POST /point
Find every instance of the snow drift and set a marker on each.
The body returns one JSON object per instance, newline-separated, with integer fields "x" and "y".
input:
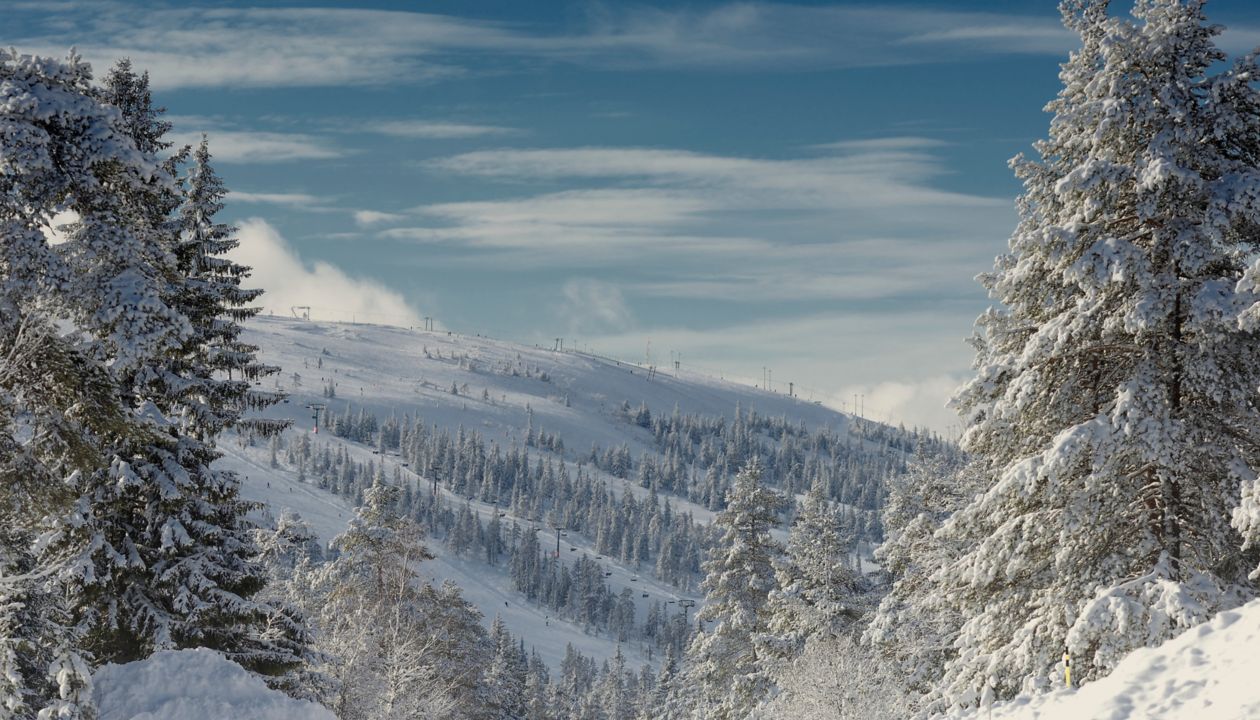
{"x": 193, "y": 685}
{"x": 1208, "y": 672}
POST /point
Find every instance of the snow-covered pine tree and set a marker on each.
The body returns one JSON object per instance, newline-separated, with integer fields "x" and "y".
{"x": 60, "y": 406}
{"x": 1115, "y": 388}
{"x": 159, "y": 540}
{"x": 369, "y": 612}
{"x": 397, "y": 647}
{"x": 724, "y": 679}
{"x": 837, "y": 678}
{"x": 912, "y": 624}
{"x": 128, "y": 91}
{"x": 818, "y": 592}
{"x": 282, "y": 549}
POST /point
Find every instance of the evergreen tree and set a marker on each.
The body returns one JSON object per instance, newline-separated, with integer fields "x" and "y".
{"x": 913, "y": 624}
{"x": 818, "y": 590}
{"x": 723, "y": 665}
{"x": 167, "y": 534}
{"x": 215, "y": 304}
{"x": 506, "y": 675}
{"x": 60, "y": 405}
{"x": 1115, "y": 386}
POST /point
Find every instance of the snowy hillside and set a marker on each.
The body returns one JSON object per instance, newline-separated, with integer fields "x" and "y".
{"x": 388, "y": 369}
{"x": 1207, "y": 672}
{"x": 501, "y": 391}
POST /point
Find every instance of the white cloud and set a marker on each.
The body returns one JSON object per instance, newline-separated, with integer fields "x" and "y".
{"x": 863, "y": 221}
{"x": 368, "y": 218}
{"x": 294, "y": 200}
{"x": 435, "y": 130}
{"x": 865, "y": 177}
{"x": 291, "y": 281}
{"x": 882, "y": 144}
{"x": 914, "y": 402}
{"x": 245, "y": 146}
{"x": 594, "y": 306}
{"x": 1239, "y": 39}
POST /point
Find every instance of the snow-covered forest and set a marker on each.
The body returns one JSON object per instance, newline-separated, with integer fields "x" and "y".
{"x": 313, "y": 519}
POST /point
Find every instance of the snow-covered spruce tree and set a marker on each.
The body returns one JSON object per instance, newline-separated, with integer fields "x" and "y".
{"x": 1116, "y": 393}
{"x": 724, "y": 677}
{"x": 151, "y": 541}
{"x": 506, "y": 675}
{"x": 194, "y": 382}
{"x": 217, "y": 366}
{"x": 166, "y": 534}
{"x": 818, "y": 591}
{"x": 914, "y": 625}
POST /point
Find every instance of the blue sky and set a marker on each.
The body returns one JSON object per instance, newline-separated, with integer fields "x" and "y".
{"x": 807, "y": 187}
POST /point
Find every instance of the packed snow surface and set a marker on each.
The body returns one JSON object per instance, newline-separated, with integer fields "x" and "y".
{"x": 1211, "y": 672}
{"x": 196, "y": 684}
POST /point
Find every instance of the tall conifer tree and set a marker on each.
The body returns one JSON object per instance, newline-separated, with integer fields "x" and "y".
{"x": 1115, "y": 397}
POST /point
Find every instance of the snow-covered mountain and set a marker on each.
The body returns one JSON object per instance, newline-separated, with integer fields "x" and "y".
{"x": 503, "y": 392}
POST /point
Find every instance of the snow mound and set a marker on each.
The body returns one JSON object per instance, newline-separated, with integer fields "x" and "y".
{"x": 1207, "y": 672}
{"x": 196, "y": 684}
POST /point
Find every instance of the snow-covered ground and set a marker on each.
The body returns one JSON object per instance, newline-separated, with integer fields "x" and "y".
{"x": 196, "y": 684}
{"x": 388, "y": 370}
{"x": 1211, "y": 672}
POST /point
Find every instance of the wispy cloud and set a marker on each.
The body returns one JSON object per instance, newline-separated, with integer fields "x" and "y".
{"x": 370, "y": 218}
{"x": 433, "y": 130}
{"x": 302, "y": 201}
{"x": 862, "y": 221}
{"x": 231, "y": 142}
{"x": 594, "y": 306}
{"x": 887, "y": 175}
{"x": 211, "y": 46}
{"x": 249, "y": 146}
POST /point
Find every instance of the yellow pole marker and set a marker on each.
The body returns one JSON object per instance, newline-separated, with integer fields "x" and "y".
{"x": 1067, "y": 668}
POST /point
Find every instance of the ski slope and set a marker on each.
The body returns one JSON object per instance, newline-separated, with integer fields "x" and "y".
{"x": 488, "y": 588}
{"x": 499, "y": 386}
